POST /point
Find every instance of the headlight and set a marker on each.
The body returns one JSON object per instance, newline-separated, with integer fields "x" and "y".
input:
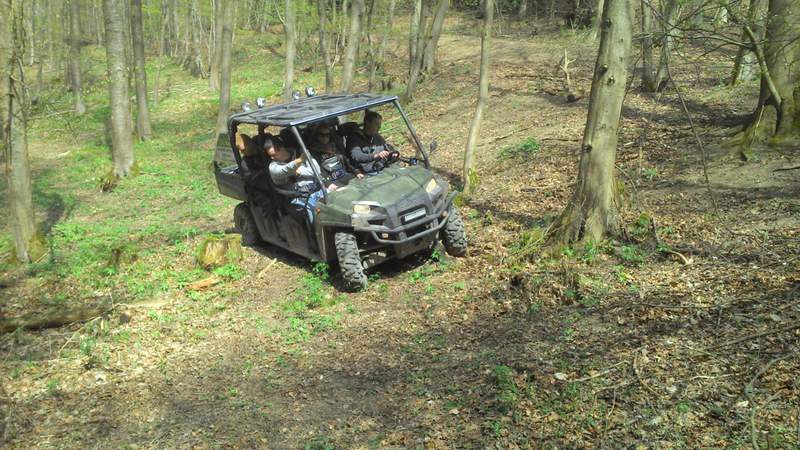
{"x": 360, "y": 208}
{"x": 430, "y": 188}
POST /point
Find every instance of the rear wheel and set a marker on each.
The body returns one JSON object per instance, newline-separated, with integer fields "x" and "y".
{"x": 350, "y": 262}
{"x": 245, "y": 225}
{"x": 453, "y": 235}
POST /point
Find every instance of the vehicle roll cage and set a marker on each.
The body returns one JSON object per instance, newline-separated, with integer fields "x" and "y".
{"x": 281, "y": 115}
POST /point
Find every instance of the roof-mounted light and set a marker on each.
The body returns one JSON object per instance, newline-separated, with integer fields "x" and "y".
{"x": 246, "y": 106}
{"x": 296, "y": 95}
{"x": 261, "y": 102}
{"x": 310, "y": 91}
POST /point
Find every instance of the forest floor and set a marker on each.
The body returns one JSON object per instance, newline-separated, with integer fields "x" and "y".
{"x": 682, "y": 338}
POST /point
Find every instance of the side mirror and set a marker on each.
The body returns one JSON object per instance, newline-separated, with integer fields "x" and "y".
{"x": 434, "y": 145}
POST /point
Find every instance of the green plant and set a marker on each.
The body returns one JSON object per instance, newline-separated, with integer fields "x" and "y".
{"x": 53, "y": 386}
{"x": 506, "y": 388}
{"x": 525, "y": 149}
{"x": 231, "y": 272}
{"x": 631, "y": 254}
{"x": 649, "y": 173}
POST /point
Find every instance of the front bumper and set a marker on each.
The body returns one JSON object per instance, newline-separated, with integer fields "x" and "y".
{"x": 407, "y": 232}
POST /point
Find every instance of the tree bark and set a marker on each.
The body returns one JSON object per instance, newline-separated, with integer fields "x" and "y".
{"x": 323, "y": 46}
{"x": 226, "y": 42}
{"x": 522, "y": 12}
{"x": 6, "y": 48}
{"x": 670, "y": 13}
{"x": 290, "y": 33}
{"x": 419, "y": 54}
{"x": 648, "y": 71}
{"x": 122, "y": 143}
{"x": 18, "y": 170}
{"x": 142, "y": 110}
{"x": 598, "y": 15}
{"x": 413, "y": 35}
{"x": 213, "y": 77}
{"x": 745, "y": 64}
{"x": 592, "y": 211}
{"x": 387, "y": 28}
{"x": 348, "y": 71}
{"x": 432, "y": 43}
{"x": 75, "y": 56}
{"x": 781, "y": 52}
{"x": 483, "y": 93}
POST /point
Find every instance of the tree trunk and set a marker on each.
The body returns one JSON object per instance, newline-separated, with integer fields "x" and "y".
{"x": 51, "y": 35}
{"x": 159, "y": 62}
{"x": 6, "y": 48}
{"x": 18, "y": 170}
{"x": 436, "y": 31}
{"x": 226, "y": 42}
{"x": 648, "y": 70}
{"x": 122, "y": 144}
{"x": 387, "y": 28}
{"x": 348, "y": 71}
{"x": 323, "y": 46}
{"x": 598, "y": 15}
{"x": 592, "y": 211}
{"x": 670, "y": 13}
{"x": 413, "y": 35}
{"x": 213, "y": 77}
{"x": 483, "y": 93}
{"x": 142, "y": 111}
{"x": 781, "y": 51}
{"x": 522, "y": 12}
{"x": 289, "y": 31}
{"x": 419, "y": 53}
{"x": 75, "y": 56}
{"x": 745, "y": 66}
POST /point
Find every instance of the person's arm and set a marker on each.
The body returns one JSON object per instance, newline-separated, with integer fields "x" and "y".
{"x": 282, "y": 173}
{"x": 362, "y": 154}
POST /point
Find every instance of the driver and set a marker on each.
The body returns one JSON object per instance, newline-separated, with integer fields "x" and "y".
{"x": 336, "y": 168}
{"x": 295, "y": 175}
{"x": 367, "y": 148}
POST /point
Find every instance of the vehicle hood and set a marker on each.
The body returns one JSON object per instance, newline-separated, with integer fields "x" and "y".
{"x": 391, "y": 186}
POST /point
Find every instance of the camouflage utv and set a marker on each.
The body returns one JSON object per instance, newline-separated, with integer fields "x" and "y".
{"x": 402, "y": 210}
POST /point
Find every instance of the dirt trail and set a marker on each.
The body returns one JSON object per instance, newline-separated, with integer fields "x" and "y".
{"x": 419, "y": 359}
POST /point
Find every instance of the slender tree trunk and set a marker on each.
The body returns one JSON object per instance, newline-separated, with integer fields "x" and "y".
{"x": 31, "y": 33}
{"x": 194, "y": 54}
{"x": 142, "y": 111}
{"x": 419, "y": 54}
{"x": 289, "y": 31}
{"x": 213, "y": 78}
{"x": 745, "y": 66}
{"x": 670, "y": 12}
{"x": 413, "y": 35}
{"x": 648, "y": 69}
{"x": 6, "y": 49}
{"x": 323, "y": 46}
{"x": 436, "y": 32}
{"x": 159, "y": 63}
{"x": 18, "y": 170}
{"x": 348, "y": 71}
{"x": 75, "y": 56}
{"x": 122, "y": 144}
{"x": 598, "y": 15}
{"x": 468, "y": 175}
{"x": 51, "y": 36}
{"x": 381, "y": 58}
{"x": 225, "y": 66}
{"x": 592, "y": 211}
{"x": 370, "y": 46}
{"x": 522, "y": 12}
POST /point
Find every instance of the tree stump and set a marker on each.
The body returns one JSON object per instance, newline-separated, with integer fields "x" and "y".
{"x": 217, "y": 251}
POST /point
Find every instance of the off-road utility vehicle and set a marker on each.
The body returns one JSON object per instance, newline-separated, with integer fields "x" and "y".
{"x": 400, "y": 211}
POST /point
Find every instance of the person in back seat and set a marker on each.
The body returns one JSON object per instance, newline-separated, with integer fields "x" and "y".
{"x": 336, "y": 168}
{"x": 255, "y": 164}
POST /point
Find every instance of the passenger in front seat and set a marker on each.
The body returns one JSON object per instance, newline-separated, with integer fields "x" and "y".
{"x": 336, "y": 169}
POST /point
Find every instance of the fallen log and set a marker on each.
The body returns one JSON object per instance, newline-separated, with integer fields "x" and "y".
{"x": 55, "y": 317}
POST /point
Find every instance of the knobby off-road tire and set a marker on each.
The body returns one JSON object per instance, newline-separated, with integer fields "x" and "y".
{"x": 350, "y": 262}
{"x": 245, "y": 225}
{"x": 454, "y": 237}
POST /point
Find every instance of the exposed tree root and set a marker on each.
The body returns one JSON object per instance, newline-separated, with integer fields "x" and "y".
{"x": 55, "y": 317}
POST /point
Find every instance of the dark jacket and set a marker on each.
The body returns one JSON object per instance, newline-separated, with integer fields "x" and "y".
{"x": 362, "y": 149}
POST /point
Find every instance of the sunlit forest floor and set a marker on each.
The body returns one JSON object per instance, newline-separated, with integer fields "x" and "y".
{"x": 682, "y": 338}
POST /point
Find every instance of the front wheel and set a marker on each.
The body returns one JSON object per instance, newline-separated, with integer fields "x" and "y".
{"x": 454, "y": 237}
{"x": 350, "y": 262}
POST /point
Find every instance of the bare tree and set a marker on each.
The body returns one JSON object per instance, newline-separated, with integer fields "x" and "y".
{"x": 18, "y": 170}
{"x": 779, "y": 79}
{"x": 592, "y": 211}
{"x": 429, "y": 59}
{"x": 419, "y": 54}
{"x": 122, "y": 143}
{"x": 745, "y": 66}
{"x": 483, "y": 93}
{"x": 142, "y": 111}
{"x": 353, "y": 38}
{"x": 226, "y": 42}
{"x": 216, "y": 52}
{"x": 413, "y": 35}
{"x": 289, "y": 30}
{"x": 75, "y": 43}
{"x": 6, "y": 49}
{"x": 323, "y": 45}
